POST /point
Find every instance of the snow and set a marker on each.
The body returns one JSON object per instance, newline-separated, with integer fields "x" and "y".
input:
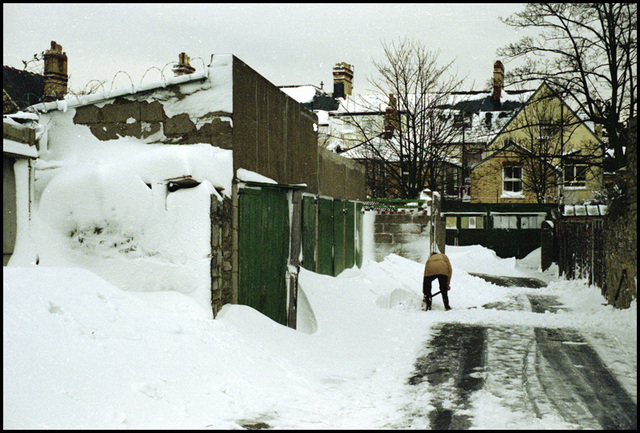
{"x": 104, "y": 206}
{"x": 80, "y": 352}
{"x": 302, "y": 94}
{"x": 107, "y": 320}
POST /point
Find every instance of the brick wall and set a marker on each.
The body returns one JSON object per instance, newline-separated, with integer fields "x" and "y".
{"x": 486, "y": 181}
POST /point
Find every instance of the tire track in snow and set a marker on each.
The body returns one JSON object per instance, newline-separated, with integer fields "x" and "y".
{"x": 453, "y": 368}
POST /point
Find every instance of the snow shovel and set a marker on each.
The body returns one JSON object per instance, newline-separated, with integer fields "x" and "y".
{"x": 436, "y": 293}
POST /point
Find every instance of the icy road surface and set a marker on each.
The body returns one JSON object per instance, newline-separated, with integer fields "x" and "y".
{"x": 550, "y": 372}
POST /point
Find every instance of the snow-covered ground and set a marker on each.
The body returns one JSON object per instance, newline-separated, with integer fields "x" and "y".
{"x": 80, "y": 352}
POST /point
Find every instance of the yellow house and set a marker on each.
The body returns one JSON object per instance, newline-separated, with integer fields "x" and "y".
{"x": 544, "y": 154}
{"x": 513, "y": 174}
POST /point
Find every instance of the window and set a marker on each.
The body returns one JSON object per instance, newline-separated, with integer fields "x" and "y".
{"x": 505, "y": 222}
{"x": 531, "y": 222}
{"x": 575, "y": 175}
{"x": 512, "y": 179}
{"x": 547, "y": 130}
{"x": 471, "y": 222}
{"x": 452, "y": 222}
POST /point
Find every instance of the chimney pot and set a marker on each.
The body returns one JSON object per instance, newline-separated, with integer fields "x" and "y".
{"x": 498, "y": 80}
{"x": 184, "y": 66}
{"x": 342, "y": 80}
{"x": 55, "y": 73}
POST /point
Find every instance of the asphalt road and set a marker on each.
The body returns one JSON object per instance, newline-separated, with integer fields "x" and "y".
{"x": 541, "y": 371}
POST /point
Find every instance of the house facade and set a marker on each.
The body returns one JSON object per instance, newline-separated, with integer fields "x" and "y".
{"x": 557, "y": 157}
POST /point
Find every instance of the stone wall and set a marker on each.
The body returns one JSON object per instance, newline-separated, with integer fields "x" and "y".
{"x": 621, "y": 234}
{"x": 221, "y": 254}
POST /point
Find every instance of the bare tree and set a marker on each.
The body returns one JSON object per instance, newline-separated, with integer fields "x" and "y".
{"x": 414, "y": 140}
{"x": 589, "y": 51}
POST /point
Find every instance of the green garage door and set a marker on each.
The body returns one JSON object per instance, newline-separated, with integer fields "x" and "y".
{"x": 263, "y": 250}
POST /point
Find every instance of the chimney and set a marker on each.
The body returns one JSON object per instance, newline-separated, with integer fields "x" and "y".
{"x": 55, "y": 73}
{"x": 342, "y": 80}
{"x": 498, "y": 80}
{"x": 184, "y": 66}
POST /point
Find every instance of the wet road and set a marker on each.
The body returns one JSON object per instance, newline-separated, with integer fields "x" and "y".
{"x": 541, "y": 371}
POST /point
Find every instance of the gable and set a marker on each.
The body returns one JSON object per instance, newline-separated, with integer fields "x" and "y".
{"x": 579, "y": 135}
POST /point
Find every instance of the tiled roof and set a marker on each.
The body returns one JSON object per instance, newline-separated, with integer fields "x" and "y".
{"x": 24, "y": 88}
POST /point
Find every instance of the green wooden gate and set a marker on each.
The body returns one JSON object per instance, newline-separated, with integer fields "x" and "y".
{"x": 263, "y": 250}
{"x": 359, "y": 234}
{"x": 331, "y": 234}
{"x": 325, "y": 236}
{"x": 349, "y": 234}
{"x": 338, "y": 236}
{"x": 309, "y": 226}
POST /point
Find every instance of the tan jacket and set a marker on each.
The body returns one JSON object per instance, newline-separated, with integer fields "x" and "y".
{"x": 438, "y": 264}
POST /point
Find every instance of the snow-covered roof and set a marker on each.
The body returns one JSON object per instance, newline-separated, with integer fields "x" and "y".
{"x": 302, "y": 94}
{"x": 212, "y": 72}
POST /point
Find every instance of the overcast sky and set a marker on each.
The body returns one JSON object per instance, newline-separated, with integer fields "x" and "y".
{"x": 286, "y": 43}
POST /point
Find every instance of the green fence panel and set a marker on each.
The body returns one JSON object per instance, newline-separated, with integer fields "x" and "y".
{"x": 325, "y": 236}
{"x": 359, "y": 234}
{"x": 349, "y": 234}
{"x": 338, "y": 235}
{"x": 309, "y": 213}
{"x": 263, "y": 249}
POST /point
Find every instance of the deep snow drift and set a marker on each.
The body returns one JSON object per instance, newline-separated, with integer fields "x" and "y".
{"x": 79, "y": 352}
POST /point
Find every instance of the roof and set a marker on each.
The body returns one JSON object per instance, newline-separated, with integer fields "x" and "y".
{"x": 311, "y": 97}
{"x": 23, "y": 87}
{"x": 542, "y": 86}
{"x": 518, "y": 149}
{"x": 476, "y": 101}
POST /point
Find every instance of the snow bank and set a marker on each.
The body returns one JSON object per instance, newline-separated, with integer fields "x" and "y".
{"x": 79, "y": 352}
{"x": 105, "y": 206}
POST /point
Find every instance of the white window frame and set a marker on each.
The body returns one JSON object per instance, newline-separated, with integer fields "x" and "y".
{"x": 472, "y": 222}
{"x": 573, "y": 168}
{"x": 511, "y": 179}
{"x": 455, "y": 222}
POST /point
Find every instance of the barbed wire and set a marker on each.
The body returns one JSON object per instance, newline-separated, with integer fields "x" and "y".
{"x": 36, "y": 66}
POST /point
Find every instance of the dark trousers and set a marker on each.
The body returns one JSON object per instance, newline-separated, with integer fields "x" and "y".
{"x": 426, "y": 289}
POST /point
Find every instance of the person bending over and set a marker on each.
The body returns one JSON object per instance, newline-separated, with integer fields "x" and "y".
{"x": 438, "y": 267}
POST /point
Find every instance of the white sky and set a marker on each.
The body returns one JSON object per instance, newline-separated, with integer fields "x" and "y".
{"x": 286, "y": 43}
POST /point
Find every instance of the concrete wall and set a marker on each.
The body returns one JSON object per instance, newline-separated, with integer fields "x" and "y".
{"x": 277, "y": 137}
{"x": 17, "y": 187}
{"x": 273, "y": 134}
{"x": 340, "y": 177}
